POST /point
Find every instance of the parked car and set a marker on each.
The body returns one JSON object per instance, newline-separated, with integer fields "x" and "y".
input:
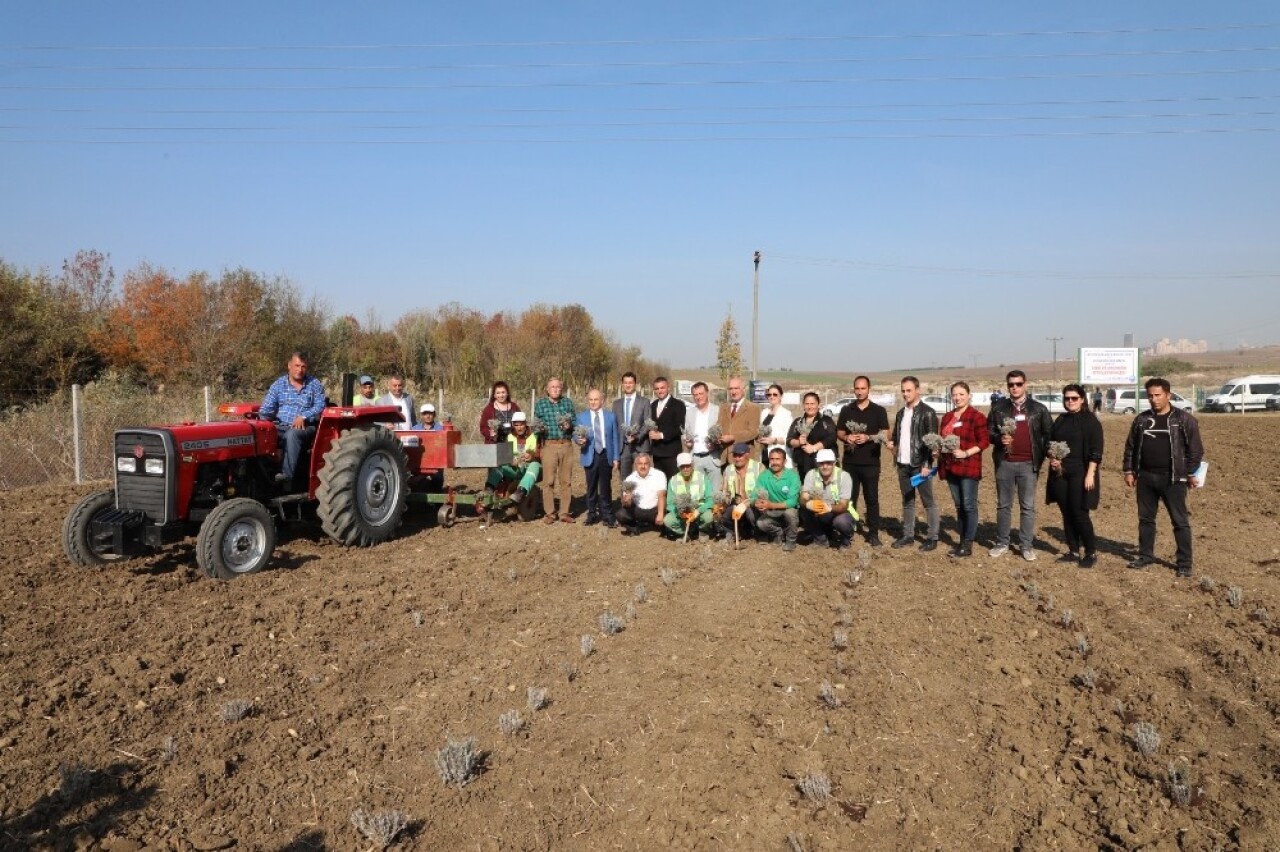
{"x": 832, "y": 409}
{"x": 937, "y": 402}
{"x": 1273, "y": 402}
{"x": 1243, "y": 394}
{"x": 1122, "y": 401}
{"x": 1051, "y": 401}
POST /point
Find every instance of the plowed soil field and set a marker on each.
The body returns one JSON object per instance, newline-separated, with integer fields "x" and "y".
{"x": 980, "y": 704}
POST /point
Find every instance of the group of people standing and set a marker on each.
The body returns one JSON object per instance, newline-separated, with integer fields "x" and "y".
{"x": 697, "y": 468}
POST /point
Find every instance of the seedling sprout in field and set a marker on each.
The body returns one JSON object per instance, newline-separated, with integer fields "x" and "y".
{"x": 587, "y": 644}
{"x": 815, "y": 787}
{"x": 380, "y": 828}
{"x": 511, "y": 723}
{"x": 1146, "y": 739}
{"x": 536, "y": 698}
{"x": 1235, "y": 597}
{"x": 236, "y": 710}
{"x": 840, "y": 640}
{"x": 827, "y": 695}
{"x": 610, "y": 624}
{"x": 458, "y": 762}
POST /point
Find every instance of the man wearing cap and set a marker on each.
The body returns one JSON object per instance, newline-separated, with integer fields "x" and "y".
{"x": 364, "y": 393}
{"x": 825, "y": 494}
{"x": 599, "y": 449}
{"x": 777, "y": 495}
{"x": 525, "y": 464}
{"x": 740, "y": 483}
{"x": 698, "y": 420}
{"x": 427, "y": 419}
{"x": 644, "y": 497}
{"x": 689, "y": 499}
{"x": 396, "y": 396}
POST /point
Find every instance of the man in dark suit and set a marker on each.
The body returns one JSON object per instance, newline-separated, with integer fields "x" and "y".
{"x": 667, "y": 413}
{"x": 631, "y": 410}
{"x": 600, "y": 447}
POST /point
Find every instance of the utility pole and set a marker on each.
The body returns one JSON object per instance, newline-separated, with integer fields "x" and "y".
{"x": 1055, "y": 358}
{"x": 974, "y": 356}
{"x": 755, "y": 317}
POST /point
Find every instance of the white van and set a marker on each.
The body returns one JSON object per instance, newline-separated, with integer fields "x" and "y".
{"x": 1127, "y": 400}
{"x": 1244, "y": 393}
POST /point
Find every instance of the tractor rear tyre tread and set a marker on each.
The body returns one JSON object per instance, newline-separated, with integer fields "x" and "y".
{"x": 75, "y": 531}
{"x": 237, "y": 538}
{"x": 363, "y": 489}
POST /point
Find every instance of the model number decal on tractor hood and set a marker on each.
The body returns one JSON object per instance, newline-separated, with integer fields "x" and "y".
{"x": 214, "y": 443}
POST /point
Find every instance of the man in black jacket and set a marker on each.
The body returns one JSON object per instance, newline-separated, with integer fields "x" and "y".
{"x": 667, "y": 413}
{"x": 1020, "y": 428}
{"x": 913, "y": 421}
{"x": 1161, "y": 459}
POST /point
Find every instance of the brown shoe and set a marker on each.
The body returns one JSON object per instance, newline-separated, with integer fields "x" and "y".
{"x": 568, "y": 519}
{"x": 549, "y": 519}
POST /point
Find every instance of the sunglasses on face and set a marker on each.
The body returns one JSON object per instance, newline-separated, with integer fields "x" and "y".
{"x": 774, "y": 394}
{"x": 1072, "y": 398}
{"x": 1016, "y": 384}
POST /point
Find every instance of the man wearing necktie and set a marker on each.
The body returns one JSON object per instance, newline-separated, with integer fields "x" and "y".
{"x": 631, "y": 411}
{"x": 739, "y": 420}
{"x": 600, "y": 448}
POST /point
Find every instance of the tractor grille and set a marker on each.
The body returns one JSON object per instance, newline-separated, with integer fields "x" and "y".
{"x": 141, "y": 491}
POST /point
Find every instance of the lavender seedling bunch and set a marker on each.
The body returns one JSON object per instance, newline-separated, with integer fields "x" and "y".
{"x": 1059, "y": 450}
{"x": 581, "y": 433}
{"x": 628, "y": 486}
{"x": 933, "y": 441}
{"x": 635, "y": 431}
{"x": 686, "y": 438}
{"x": 803, "y": 428}
{"x": 494, "y": 424}
{"x": 950, "y": 444}
{"x": 1008, "y": 426}
{"x": 565, "y": 421}
{"x": 853, "y": 427}
{"x": 714, "y": 433}
{"x": 685, "y": 504}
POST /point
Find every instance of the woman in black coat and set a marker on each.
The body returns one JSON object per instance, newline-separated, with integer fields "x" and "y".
{"x": 1073, "y": 478}
{"x": 809, "y": 433}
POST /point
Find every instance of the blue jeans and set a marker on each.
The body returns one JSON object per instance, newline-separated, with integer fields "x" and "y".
{"x": 964, "y": 491}
{"x": 1019, "y": 477}
{"x": 295, "y": 441}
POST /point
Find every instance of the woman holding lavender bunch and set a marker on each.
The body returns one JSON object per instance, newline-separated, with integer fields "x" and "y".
{"x": 1075, "y": 452}
{"x": 964, "y": 437}
{"x": 810, "y": 432}
{"x": 775, "y": 423}
{"x": 495, "y": 419}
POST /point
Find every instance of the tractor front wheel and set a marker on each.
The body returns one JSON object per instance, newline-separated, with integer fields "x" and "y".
{"x": 238, "y": 537}
{"x": 75, "y": 531}
{"x": 363, "y": 487}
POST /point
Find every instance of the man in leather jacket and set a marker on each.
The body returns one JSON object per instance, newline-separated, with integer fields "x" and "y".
{"x": 1020, "y": 429}
{"x": 913, "y": 421}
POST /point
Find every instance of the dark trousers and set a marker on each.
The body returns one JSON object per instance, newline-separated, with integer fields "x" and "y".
{"x": 830, "y": 524}
{"x": 295, "y": 441}
{"x": 746, "y": 524}
{"x": 666, "y": 464}
{"x": 1067, "y": 490}
{"x": 600, "y": 487}
{"x": 1154, "y": 489}
{"x": 866, "y": 480}
{"x": 640, "y": 518}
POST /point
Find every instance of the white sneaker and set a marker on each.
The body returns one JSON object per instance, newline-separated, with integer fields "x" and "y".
{"x": 1028, "y": 554}
{"x": 998, "y": 550}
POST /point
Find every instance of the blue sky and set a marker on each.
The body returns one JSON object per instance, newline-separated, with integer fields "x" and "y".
{"x": 925, "y": 185}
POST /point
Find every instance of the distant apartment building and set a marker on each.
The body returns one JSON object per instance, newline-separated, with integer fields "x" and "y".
{"x": 1183, "y": 347}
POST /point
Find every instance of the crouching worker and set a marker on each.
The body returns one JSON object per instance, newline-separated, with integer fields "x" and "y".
{"x": 777, "y": 495}
{"x": 644, "y": 497}
{"x": 689, "y": 498}
{"x": 740, "y": 481}
{"x": 825, "y": 494}
{"x": 526, "y": 464}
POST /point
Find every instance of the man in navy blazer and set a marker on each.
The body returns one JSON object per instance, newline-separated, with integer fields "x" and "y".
{"x": 600, "y": 446}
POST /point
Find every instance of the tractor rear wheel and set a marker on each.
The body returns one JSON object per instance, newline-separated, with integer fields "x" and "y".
{"x": 75, "y": 531}
{"x": 363, "y": 487}
{"x": 238, "y": 537}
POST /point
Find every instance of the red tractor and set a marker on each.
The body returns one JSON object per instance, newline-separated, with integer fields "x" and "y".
{"x": 216, "y": 481}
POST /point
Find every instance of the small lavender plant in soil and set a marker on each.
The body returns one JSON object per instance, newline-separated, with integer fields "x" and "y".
{"x": 587, "y": 644}
{"x": 815, "y": 787}
{"x": 458, "y": 762}
{"x": 840, "y": 640}
{"x": 610, "y": 624}
{"x": 1146, "y": 739}
{"x": 511, "y": 723}
{"x": 236, "y": 709}
{"x": 641, "y": 593}
{"x": 380, "y": 828}
{"x": 1235, "y": 597}
{"x": 827, "y": 695}
{"x": 536, "y": 698}
{"x": 1088, "y": 679}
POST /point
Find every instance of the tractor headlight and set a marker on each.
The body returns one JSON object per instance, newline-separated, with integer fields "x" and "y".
{"x": 155, "y": 466}
{"x": 126, "y": 464}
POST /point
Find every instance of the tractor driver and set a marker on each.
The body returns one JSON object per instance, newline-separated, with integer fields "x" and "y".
{"x": 294, "y": 401}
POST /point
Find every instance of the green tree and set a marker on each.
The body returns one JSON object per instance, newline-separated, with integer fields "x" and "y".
{"x": 728, "y": 349}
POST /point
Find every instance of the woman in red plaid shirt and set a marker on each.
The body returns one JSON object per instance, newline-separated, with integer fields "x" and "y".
{"x": 961, "y": 466}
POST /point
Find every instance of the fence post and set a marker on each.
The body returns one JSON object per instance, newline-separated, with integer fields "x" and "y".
{"x": 75, "y": 429}
{"x": 440, "y": 404}
{"x": 208, "y": 404}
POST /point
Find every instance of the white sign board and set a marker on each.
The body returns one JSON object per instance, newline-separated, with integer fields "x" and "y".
{"x": 684, "y": 387}
{"x": 1117, "y": 366}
